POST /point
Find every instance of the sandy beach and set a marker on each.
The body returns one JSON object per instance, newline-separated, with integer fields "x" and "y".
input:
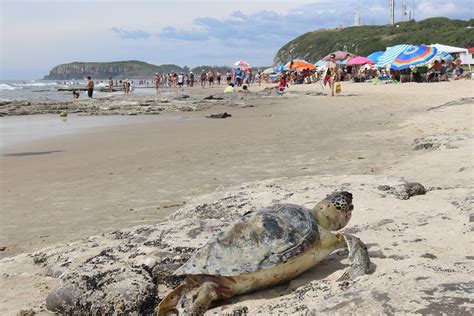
{"x": 58, "y": 190}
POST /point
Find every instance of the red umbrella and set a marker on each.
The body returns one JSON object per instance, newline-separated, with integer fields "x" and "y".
{"x": 340, "y": 55}
{"x": 359, "y": 60}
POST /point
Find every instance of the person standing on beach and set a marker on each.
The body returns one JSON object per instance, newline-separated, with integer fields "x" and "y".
{"x": 332, "y": 73}
{"x": 191, "y": 79}
{"x": 111, "y": 84}
{"x": 90, "y": 87}
{"x": 228, "y": 77}
{"x": 203, "y": 78}
{"x": 218, "y": 77}
{"x": 157, "y": 80}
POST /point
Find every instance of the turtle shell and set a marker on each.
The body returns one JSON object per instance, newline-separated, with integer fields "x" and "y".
{"x": 259, "y": 240}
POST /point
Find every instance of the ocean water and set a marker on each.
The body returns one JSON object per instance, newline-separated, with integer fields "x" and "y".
{"x": 44, "y": 90}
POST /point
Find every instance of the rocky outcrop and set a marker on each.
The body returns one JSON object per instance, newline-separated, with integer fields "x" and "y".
{"x": 117, "y": 70}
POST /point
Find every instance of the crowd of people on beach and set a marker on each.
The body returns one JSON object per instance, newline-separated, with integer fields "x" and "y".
{"x": 333, "y": 72}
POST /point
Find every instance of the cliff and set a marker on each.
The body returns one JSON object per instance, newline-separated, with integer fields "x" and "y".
{"x": 103, "y": 70}
{"x": 363, "y": 40}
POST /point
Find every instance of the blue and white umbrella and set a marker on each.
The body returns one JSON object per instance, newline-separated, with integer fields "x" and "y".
{"x": 280, "y": 68}
{"x": 390, "y": 54}
{"x": 375, "y": 56}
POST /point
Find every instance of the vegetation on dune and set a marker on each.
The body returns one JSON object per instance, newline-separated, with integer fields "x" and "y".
{"x": 363, "y": 40}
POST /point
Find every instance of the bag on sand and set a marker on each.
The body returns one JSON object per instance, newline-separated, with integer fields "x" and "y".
{"x": 338, "y": 88}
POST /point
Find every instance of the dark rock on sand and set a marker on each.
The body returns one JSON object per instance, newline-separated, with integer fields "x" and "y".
{"x": 429, "y": 256}
{"x": 220, "y": 115}
{"x": 404, "y": 191}
{"x": 211, "y": 97}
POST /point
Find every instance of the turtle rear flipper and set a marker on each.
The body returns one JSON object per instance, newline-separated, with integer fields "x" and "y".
{"x": 169, "y": 302}
{"x": 359, "y": 257}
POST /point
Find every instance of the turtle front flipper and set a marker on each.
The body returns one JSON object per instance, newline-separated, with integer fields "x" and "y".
{"x": 359, "y": 257}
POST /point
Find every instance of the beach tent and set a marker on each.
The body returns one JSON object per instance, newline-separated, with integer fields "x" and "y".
{"x": 375, "y": 56}
{"x": 390, "y": 54}
{"x": 412, "y": 56}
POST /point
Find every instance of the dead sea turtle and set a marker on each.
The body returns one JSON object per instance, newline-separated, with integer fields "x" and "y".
{"x": 264, "y": 248}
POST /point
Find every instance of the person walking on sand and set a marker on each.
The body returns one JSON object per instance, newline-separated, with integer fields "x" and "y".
{"x": 203, "y": 78}
{"x": 90, "y": 87}
{"x": 218, "y": 77}
{"x": 332, "y": 73}
{"x": 111, "y": 84}
{"x": 157, "y": 80}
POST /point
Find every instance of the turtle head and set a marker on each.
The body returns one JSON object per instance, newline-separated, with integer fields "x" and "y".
{"x": 335, "y": 211}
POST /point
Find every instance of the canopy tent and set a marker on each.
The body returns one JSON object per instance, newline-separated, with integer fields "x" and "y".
{"x": 375, "y": 56}
{"x": 298, "y": 64}
{"x": 449, "y": 49}
{"x": 340, "y": 55}
{"x": 413, "y": 56}
{"x": 359, "y": 60}
{"x": 390, "y": 54}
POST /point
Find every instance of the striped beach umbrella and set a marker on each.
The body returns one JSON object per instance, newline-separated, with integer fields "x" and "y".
{"x": 390, "y": 54}
{"x": 280, "y": 68}
{"x": 413, "y": 56}
{"x": 375, "y": 56}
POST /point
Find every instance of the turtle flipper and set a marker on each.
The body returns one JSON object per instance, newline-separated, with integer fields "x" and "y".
{"x": 359, "y": 257}
{"x": 169, "y": 302}
{"x": 197, "y": 301}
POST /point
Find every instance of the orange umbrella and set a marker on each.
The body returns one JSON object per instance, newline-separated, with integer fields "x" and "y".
{"x": 299, "y": 65}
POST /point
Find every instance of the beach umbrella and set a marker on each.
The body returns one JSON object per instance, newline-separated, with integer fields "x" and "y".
{"x": 340, "y": 55}
{"x": 390, "y": 54}
{"x": 242, "y": 64}
{"x": 375, "y": 56}
{"x": 321, "y": 63}
{"x": 442, "y": 56}
{"x": 413, "y": 56}
{"x": 359, "y": 60}
{"x": 298, "y": 64}
{"x": 280, "y": 68}
{"x": 268, "y": 71}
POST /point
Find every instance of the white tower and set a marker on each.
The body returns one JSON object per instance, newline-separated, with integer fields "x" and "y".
{"x": 356, "y": 18}
{"x": 392, "y": 12}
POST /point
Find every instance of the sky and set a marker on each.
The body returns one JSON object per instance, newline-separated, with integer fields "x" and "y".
{"x": 37, "y": 35}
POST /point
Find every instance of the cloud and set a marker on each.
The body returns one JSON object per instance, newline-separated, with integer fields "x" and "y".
{"x": 175, "y": 34}
{"x": 136, "y": 34}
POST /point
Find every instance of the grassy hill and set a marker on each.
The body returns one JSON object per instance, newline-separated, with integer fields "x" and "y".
{"x": 363, "y": 40}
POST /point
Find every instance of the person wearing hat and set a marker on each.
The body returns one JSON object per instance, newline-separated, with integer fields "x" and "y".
{"x": 157, "y": 80}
